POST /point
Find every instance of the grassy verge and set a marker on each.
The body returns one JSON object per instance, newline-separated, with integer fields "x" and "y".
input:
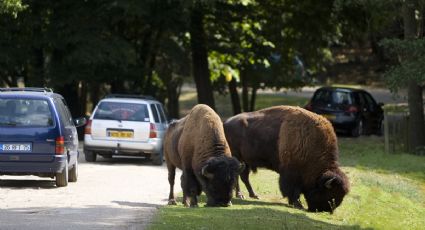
{"x": 387, "y": 192}
{"x": 224, "y": 109}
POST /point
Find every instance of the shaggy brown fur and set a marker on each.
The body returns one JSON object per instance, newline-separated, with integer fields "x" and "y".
{"x": 197, "y": 145}
{"x": 300, "y": 145}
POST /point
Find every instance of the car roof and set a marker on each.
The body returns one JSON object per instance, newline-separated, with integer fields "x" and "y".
{"x": 18, "y": 92}
{"x": 341, "y": 89}
{"x": 130, "y": 100}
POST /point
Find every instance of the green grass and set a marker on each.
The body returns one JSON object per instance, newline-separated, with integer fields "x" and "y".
{"x": 387, "y": 192}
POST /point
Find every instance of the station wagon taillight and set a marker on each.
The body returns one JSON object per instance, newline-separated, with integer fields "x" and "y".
{"x": 60, "y": 145}
{"x": 352, "y": 109}
{"x": 152, "y": 133}
{"x": 87, "y": 129}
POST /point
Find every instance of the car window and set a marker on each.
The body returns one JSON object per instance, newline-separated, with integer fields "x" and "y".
{"x": 25, "y": 113}
{"x": 370, "y": 102}
{"x": 107, "y": 110}
{"x": 332, "y": 97}
{"x": 64, "y": 113}
{"x": 155, "y": 113}
{"x": 342, "y": 98}
{"x": 161, "y": 113}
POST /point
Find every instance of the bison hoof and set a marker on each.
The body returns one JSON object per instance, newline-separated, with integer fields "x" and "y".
{"x": 172, "y": 202}
{"x": 194, "y": 205}
{"x": 240, "y": 196}
{"x": 254, "y": 196}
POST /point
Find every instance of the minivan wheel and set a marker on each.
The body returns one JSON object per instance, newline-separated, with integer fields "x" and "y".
{"x": 157, "y": 159}
{"x": 358, "y": 130}
{"x": 90, "y": 156}
{"x": 73, "y": 173}
{"x": 62, "y": 177}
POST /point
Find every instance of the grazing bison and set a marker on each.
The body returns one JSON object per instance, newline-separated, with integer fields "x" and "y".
{"x": 300, "y": 145}
{"x": 197, "y": 145}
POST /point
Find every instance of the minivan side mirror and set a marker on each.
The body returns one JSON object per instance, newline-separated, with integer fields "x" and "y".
{"x": 380, "y": 104}
{"x": 81, "y": 121}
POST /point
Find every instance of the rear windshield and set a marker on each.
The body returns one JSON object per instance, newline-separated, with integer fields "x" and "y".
{"x": 332, "y": 97}
{"x": 25, "y": 113}
{"x": 122, "y": 111}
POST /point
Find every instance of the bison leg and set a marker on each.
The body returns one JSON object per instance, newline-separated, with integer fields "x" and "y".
{"x": 288, "y": 187}
{"x": 245, "y": 179}
{"x": 190, "y": 188}
{"x": 238, "y": 190}
{"x": 171, "y": 177}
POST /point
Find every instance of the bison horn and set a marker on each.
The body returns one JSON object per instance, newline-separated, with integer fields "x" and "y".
{"x": 328, "y": 183}
{"x": 205, "y": 173}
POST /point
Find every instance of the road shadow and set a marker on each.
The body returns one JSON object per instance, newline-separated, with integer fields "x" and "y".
{"x": 118, "y": 161}
{"x": 82, "y": 218}
{"x": 136, "y": 204}
{"x": 27, "y": 183}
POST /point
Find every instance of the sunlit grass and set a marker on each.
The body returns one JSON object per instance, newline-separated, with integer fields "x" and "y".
{"x": 387, "y": 192}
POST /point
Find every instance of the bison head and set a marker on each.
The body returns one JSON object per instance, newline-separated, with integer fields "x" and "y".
{"x": 328, "y": 193}
{"x": 219, "y": 176}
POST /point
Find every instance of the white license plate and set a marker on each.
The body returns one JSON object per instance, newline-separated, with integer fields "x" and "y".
{"x": 15, "y": 147}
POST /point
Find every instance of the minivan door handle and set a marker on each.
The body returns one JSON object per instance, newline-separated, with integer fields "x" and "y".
{"x": 50, "y": 140}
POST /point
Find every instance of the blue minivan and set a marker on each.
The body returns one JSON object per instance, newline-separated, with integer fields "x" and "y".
{"x": 38, "y": 135}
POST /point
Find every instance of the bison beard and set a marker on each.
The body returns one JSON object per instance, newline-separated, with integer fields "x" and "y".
{"x": 197, "y": 145}
{"x": 301, "y": 146}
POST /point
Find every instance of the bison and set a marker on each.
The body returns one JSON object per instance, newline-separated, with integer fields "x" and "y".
{"x": 300, "y": 145}
{"x": 196, "y": 144}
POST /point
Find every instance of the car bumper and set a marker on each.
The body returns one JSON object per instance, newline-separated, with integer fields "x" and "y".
{"x": 17, "y": 167}
{"x": 343, "y": 123}
{"x": 153, "y": 146}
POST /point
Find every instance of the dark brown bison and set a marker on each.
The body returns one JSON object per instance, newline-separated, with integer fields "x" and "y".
{"x": 196, "y": 144}
{"x": 300, "y": 145}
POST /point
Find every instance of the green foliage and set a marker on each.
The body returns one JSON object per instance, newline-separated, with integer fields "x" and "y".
{"x": 11, "y": 7}
{"x": 409, "y": 56}
{"x": 387, "y": 192}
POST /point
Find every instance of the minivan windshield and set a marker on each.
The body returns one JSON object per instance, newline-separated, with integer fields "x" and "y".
{"x": 122, "y": 111}
{"x": 25, "y": 113}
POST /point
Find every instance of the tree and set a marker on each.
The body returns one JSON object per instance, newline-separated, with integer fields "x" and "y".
{"x": 408, "y": 70}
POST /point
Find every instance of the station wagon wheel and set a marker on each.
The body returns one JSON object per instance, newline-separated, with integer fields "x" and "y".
{"x": 73, "y": 173}
{"x": 62, "y": 177}
{"x": 90, "y": 156}
{"x": 358, "y": 130}
{"x": 157, "y": 159}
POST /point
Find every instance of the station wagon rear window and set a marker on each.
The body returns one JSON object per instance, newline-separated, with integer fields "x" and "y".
{"x": 25, "y": 113}
{"x": 122, "y": 111}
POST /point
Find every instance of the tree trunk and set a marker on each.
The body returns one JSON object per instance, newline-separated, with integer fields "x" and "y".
{"x": 416, "y": 114}
{"x": 253, "y": 98}
{"x": 201, "y": 72}
{"x": 245, "y": 99}
{"x": 234, "y": 96}
{"x": 173, "y": 93}
{"x": 150, "y": 65}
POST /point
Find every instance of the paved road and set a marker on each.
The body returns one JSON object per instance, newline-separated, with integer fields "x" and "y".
{"x": 380, "y": 94}
{"x": 109, "y": 194}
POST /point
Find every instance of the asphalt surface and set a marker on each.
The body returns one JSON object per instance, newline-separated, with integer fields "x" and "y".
{"x": 109, "y": 194}
{"x": 379, "y": 94}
